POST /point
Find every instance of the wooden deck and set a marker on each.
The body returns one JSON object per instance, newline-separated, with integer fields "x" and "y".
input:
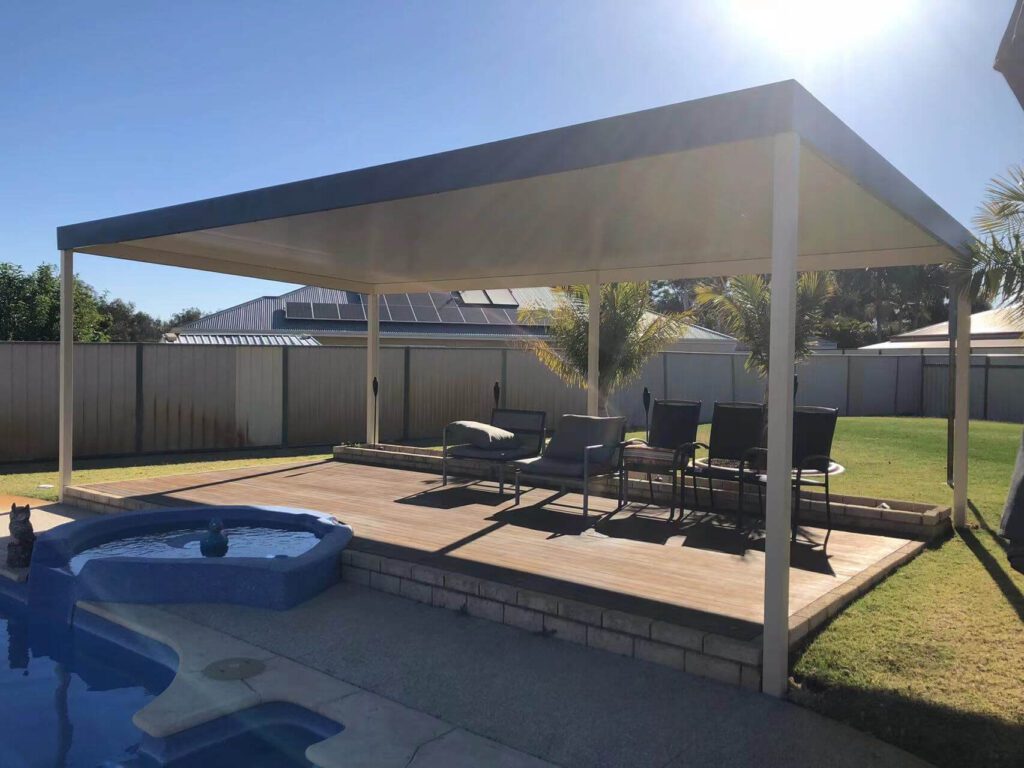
{"x": 700, "y": 573}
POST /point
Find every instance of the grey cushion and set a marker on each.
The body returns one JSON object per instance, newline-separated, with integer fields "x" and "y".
{"x": 575, "y": 433}
{"x": 544, "y": 466}
{"x": 490, "y": 454}
{"x": 481, "y": 435}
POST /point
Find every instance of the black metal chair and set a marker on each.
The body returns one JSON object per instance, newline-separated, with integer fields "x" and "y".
{"x": 737, "y": 432}
{"x": 814, "y": 428}
{"x": 527, "y": 426}
{"x": 668, "y": 446}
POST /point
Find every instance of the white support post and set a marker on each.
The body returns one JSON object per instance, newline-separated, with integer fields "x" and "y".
{"x": 372, "y": 366}
{"x": 67, "y": 355}
{"x": 778, "y": 494}
{"x": 594, "y": 348}
{"x": 961, "y": 407}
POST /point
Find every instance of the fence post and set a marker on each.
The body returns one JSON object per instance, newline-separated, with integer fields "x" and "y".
{"x": 847, "y": 382}
{"x": 984, "y": 411}
{"x": 896, "y": 390}
{"x": 732, "y": 377}
{"x": 284, "y": 396}
{"x": 504, "y": 377}
{"x": 664, "y": 375}
{"x": 140, "y": 401}
{"x": 405, "y": 392}
{"x": 920, "y": 392}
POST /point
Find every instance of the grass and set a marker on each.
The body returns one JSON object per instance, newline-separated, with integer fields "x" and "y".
{"x": 931, "y": 660}
{"x": 39, "y": 481}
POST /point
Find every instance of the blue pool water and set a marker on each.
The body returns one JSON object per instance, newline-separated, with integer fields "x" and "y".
{"x": 243, "y": 541}
{"x": 68, "y": 702}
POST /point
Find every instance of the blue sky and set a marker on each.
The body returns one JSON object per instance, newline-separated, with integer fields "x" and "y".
{"x": 109, "y": 108}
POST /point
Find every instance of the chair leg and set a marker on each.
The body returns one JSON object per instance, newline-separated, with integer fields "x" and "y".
{"x": 672, "y": 500}
{"x": 501, "y": 479}
{"x": 444, "y": 470}
{"x": 623, "y": 474}
{"x": 517, "y": 486}
{"x": 828, "y": 515}
{"x": 624, "y": 487}
{"x": 586, "y": 496}
{"x": 650, "y": 487}
{"x": 739, "y": 505}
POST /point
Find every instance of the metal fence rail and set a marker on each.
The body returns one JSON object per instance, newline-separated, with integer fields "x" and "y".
{"x": 158, "y": 398}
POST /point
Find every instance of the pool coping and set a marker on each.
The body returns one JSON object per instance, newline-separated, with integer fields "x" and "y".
{"x": 376, "y": 730}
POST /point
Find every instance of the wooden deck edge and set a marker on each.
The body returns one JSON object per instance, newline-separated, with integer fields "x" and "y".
{"x": 918, "y": 521}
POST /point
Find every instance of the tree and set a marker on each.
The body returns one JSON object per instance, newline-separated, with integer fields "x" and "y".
{"x": 743, "y": 306}
{"x": 630, "y": 334}
{"x": 30, "y": 306}
{"x": 184, "y": 317}
{"x": 123, "y": 322}
{"x": 994, "y": 267}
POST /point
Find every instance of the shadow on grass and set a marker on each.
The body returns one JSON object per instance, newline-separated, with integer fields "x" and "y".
{"x": 941, "y": 735}
{"x": 1000, "y": 575}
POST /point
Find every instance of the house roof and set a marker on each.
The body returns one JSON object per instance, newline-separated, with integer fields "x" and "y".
{"x": 1000, "y": 327}
{"x": 678, "y": 191}
{"x": 242, "y": 339}
{"x": 268, "y": 314}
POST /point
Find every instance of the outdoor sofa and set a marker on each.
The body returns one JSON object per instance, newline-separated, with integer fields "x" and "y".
{"x": 512, "y": 434}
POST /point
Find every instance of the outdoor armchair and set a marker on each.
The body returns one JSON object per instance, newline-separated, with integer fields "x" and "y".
{"x": 668, "y": 447}
{"x": 512, "y": 434}
{"x": 737, "y": 432}
{"x": 814, "y": 428}
{"x": 583, "y": 447}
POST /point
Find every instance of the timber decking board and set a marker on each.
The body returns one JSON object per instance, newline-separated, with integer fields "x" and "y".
{"x": 700, "y": 574}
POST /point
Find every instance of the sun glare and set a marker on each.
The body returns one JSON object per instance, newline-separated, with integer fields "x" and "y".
{"x": 806, "y": 28}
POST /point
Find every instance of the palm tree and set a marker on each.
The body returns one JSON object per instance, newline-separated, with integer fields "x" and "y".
{"x": 994, "y": 267}
{"x": 743, "y": 306}
{"x": 631, "y": 334}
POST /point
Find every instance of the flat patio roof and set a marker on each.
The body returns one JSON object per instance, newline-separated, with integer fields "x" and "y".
{"x": 678, "y": 191}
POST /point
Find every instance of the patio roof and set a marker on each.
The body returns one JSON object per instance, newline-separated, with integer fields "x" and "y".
{"x": 677, "y": 191}
{"x": 761, "y": 180}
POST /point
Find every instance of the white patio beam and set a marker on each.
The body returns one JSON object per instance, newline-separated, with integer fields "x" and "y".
{"x": 961, "y": 407}
{"x": 778, "y": 494}
{"x": 67, "y": 356}
{"x": 593, "y": 347}
{"x": 372, "y": 366}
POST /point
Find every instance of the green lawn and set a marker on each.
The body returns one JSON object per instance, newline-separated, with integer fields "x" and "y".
{"x": 931, "y": 660}
{"x": 26, "y": 479}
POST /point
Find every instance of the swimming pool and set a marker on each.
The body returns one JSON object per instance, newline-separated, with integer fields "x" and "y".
{"x": 67, "y": 698}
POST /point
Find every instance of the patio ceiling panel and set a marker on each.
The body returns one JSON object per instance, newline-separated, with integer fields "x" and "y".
{"x": 678, "y": 191}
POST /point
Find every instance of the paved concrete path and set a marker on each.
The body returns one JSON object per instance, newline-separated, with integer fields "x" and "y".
{"x": 566, "y": 703}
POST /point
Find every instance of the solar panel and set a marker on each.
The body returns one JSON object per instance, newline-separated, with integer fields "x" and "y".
{"x": 450, "y": 314}
{"x": 426, "y": 314}
{"x": 325, "y": 311}
{"x": 298, "y": 310}
{"x": 420, "y": 300}
{"x": 384, "y": 311}
{"x": 496, "y": 316}
{"x": 474, "y": 315}
{"x": 351, "y": 312}
{"x": 398, "y": 300}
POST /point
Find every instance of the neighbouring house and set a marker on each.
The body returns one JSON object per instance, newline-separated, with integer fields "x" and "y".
{"x": 994, "y": 331}
{"x": 312, "y": 316}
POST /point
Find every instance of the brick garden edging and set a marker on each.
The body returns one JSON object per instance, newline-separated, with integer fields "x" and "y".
{"x": 859, "y": 513}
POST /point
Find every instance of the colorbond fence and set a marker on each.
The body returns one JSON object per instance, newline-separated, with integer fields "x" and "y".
{"x": 162, "y": 398}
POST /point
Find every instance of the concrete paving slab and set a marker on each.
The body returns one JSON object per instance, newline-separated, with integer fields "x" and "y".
{"x": 190, "y": 700}
{"x": 462, "y": 749}
{"x": 379, "y": 733}
{"x": 565, "y": 703}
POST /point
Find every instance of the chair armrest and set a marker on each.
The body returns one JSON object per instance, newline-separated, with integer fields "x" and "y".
{"x": 683, "y": 450}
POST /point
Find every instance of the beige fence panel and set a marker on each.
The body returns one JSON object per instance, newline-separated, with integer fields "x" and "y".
{"x": 189, "y": 398}
{"x": 259, "y": 394}
{"x": 28, "y": 401}
{"x": 450, "y": 384}
{"x": 532, "y": 386}
{"x": 326, "y": 387}
{"x": 104, "y": 399}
